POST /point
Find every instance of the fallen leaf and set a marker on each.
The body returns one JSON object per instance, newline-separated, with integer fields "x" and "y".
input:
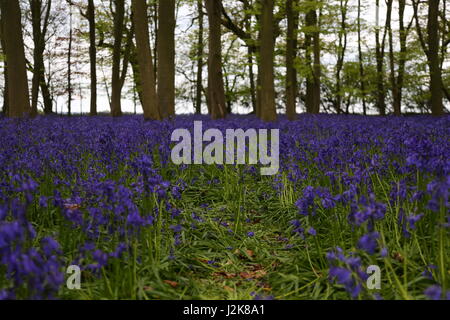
{"x": 398, "y": 257}
{"x": 173, "y": 284}
{"x": 72, "y": 207}
{"x": 225, "y": 275}
{"x": 227, "y": 288}
{"x": 257, "y": 274}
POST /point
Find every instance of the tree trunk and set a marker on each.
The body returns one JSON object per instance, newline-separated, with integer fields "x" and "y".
{"x": 5, "y": 74}
{"x": 166, "y": 58}
{"x": 154, "y": 9}
{"x": 136, "y": 73}
{"x": 393, "y": 77}
{"x": 36, "y": 8}
{"x": 250, "y": 53}
{"x": 18, "y": 94}
{"x": 437, "y": 106}
{"x": 92, "y": 57}
{"x": 316, "y": 67}
{"x": 199, "y": 81}
{"x": 39, "y": 34}
{"x": 144, "y": 57}
{"x": 312, "y": 44}
{"x": 381, "y": 95}
{"x": 267, "y": 47}
{"x": 216, "y": 91}
{"x": 69, "y": 65}
{"x": 361, "y": 62}
{"x": 46, "y": 95}
{"x": 291, "y": 71}
{"x": 402, "y": 60}
{"x": 342, "y": 47}
{"x": 116, "y": 108}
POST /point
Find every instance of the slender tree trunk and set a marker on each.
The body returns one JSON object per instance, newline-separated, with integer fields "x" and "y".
{"x": 342, "y": 47}
{"x": 267, "y": 47}
{"x": 46, "y": 95}
{"x": 127, "y": 51}
{"x": 258, "y": 91}
{"x": 402, "y": 60}
{"x": 166, "y": 58}
{"x": 136, "y": 73}
{"x": 199, "y": 82}
{"x": 250, "y": 53}
{"x": 317, "y": 67}
{"x": 5, "y": 68}
{"x": 258, "y": 79}
{"x": 291, "y": 72}
{"x": 5, "y": 91}
{"x": 393, "y": 77}
{"x": 36, "y": 9}
{"x": 251, "y": 76}
{"x": 116, "y": 108}
{"x": 380, "y": 52}
{"x": 69, "y": 65}
{"x": 39, "y": 36}
{"x": 144, "y": 56}
{"x": 437, "y": 106}
{"x": 361, "y": 62}
{"x": 18, "y": 94}
{"x": 92, "y": 56}
{"x": 216, "y": 91}
{"x": 312, "y": 44}
{"x": 154, "y": 7}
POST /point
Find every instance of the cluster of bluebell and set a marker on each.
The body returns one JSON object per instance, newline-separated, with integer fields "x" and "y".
{"x": 29, "y": 263}
{"x": 99, "y": 184}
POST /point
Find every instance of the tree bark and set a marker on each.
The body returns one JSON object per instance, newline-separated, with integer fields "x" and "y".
{"x": 393, "y": 78}
{"x": 291, "y": 46}
{"x": 116, "y": 108}
{"x": 342, "y": 47}
{"x": 437, "y": 106}
{"x": 316, "y": 67}
{"x": 5, "y": 74}
{"x": 199, "y": 81}
{"x": 267, "y": 46}
{"x": 166, "y": 58}
{"x": 216, "y": 91}
{"x": 380, "y": 53}
{"x": 69, "y": 65}
{"x": 136, "y": 73}
{"x": 312, "y": 46}
{"x": 18, "y": 94}
{"x": 144, "y": 57}
{"x": 92, "y": 57}
{"x": 361, "y": 62}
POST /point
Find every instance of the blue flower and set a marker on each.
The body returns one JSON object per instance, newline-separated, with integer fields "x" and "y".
{"x": 434, "y": 292}
{"x": 368, "y": 242}
{"x": 312, "y": 231}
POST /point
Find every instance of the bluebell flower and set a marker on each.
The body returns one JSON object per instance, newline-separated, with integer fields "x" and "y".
{"x": 176, "y": 228}
{"x": 434, "y": 292}
{"x": 312, "y": 231}
{"x": 368, "y": 242}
